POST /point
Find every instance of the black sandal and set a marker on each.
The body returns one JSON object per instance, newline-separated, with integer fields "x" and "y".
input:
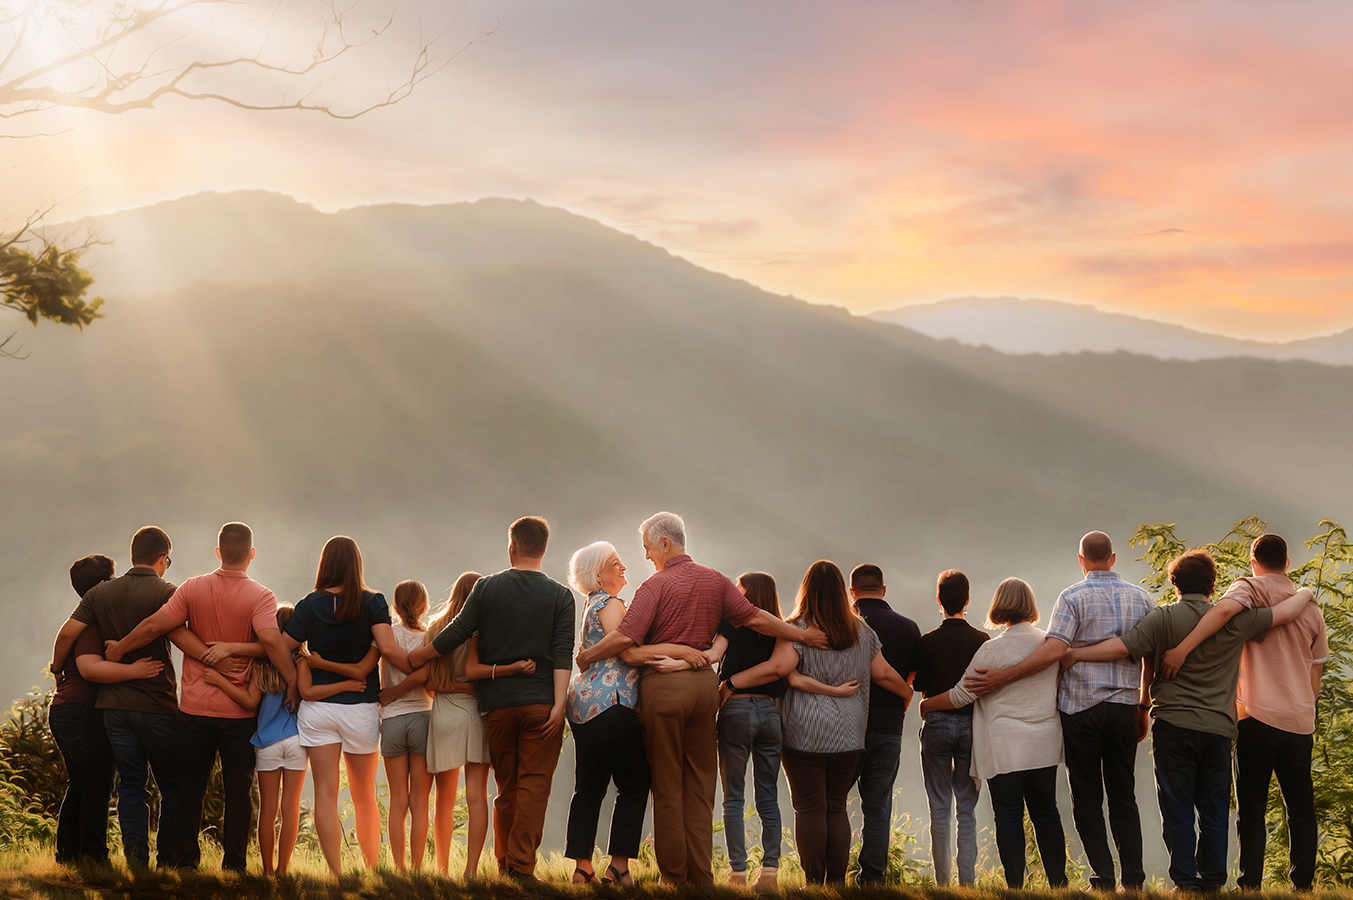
{"x": 612, "y": 870}
{"x": 588, "y": 877}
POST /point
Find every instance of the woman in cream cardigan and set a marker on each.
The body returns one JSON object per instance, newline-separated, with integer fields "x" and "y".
{"x": 1016, "y": 736}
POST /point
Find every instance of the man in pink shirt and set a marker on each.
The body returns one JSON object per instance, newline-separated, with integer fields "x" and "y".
{"x": 225, "y": 606}
{"x": 1276, "y": 694}
{"x": 676, "y": 612}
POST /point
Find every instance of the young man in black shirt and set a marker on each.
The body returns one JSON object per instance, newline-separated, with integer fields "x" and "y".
{"x": 946, "y": 736}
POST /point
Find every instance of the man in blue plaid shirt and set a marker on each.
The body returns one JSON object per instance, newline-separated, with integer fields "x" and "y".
{"x": 1103, "y": 718}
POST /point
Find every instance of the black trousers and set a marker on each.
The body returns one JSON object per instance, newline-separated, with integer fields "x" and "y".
{"x": 1263, "y": 751}
{"x": 1010, "y": 794}
{"x": 200, "y": 739}
{"x": 819, "y": 786}
{"x": 82, "y": 829}
{"x": 609, "y": 746}
{"x": 1101, "y": 753}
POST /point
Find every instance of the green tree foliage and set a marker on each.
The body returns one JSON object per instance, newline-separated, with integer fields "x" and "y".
{"x": 48, "y": 284}
{"x": 1329, "y": 573}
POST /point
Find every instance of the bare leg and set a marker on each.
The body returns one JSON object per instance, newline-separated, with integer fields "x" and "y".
{"x": 324, "y": 765}
{"x": 420, "y": 785}
{"x": 362, "y": 788}
{"x": 444, "y": 828}
{"x": 397, "y": 774}
{"x": 477, "y": 804}
{"x": 293, "y": 782}
{"x": 269, "y": 795}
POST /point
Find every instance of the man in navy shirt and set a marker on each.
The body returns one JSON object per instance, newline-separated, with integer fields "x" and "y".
{"x": 877, "y": 768}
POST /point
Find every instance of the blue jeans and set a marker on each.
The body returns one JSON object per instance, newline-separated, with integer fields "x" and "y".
{"x": 1193, "y": 771}
{"x": 750, "y": 727}
{"x": 141, "y": 740}
{"x": 946, "y": 757}
{"x": 876, "y": 772}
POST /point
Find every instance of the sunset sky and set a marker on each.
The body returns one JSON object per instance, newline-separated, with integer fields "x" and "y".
{"x": 1184, "y": 161}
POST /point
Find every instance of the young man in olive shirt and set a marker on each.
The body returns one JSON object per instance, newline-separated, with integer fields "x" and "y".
{"x": 946, "y": 736}
{"x": 1195, "y": 716}
{"x": 518, "y": 613}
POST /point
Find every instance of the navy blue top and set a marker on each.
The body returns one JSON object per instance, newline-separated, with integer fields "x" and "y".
{"x": 340, "y": 642}
{"x": 901, "y": 640}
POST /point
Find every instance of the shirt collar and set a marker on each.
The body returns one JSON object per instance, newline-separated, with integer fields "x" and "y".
{"x": 874, "y": 602}
{"x": 1097, "y": 573}
{"x": 1196, "y": 599}
{"x": 677, "y": 560}
{"x": 231, "y": 573}
{"x": 142, "y": 570}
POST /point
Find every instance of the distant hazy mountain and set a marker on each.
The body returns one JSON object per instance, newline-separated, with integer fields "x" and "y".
{"x": 419, "y": 376}
{"x": 1017, "y": 325}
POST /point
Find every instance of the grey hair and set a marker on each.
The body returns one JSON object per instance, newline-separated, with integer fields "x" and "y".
{"x": 665, "y": 525}
{"x": 584, "y": 569}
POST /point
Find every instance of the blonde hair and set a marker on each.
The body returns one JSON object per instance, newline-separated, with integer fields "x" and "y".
{"x": 264, "y": 674}
{"x": 441, "y": 671}
{"x": 1012, "y": 604}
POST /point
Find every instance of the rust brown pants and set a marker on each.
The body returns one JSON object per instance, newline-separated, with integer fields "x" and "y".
{"x": 523, "y": 768}
{"x": 678, "y": 711}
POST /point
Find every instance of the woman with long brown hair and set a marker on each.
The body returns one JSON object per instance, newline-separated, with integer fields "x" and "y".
{"x": 339, "y": 620}
{"x": 824, "y": 732}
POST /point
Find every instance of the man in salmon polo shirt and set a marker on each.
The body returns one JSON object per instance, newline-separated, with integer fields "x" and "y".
{"x": 682, "y": 604}
{"x": 1278, "y": 687}
{"x": 225, "y": 606}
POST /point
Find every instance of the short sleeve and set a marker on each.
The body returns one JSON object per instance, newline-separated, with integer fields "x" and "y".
{"x": 1320, "y": 647}
{"x": 1257, "y": 623}
{"x": 378, "y": 611}
{"x": 1141, "y": 640}
{"x": 727, "y": 630}
{"x": 176, "y": 609}
{"x": 1062, "y": 625}
{"x": 89, "y": 643}
{"x": 639, "y": 617}
{"x": 84, "y": 611}
{"x": 265, "y": 612}
{"x": 737, "y": 609}
{"x": 1242, "y": 592}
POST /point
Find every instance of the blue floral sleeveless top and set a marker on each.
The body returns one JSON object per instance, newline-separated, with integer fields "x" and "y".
{"x": 607, "y": 682}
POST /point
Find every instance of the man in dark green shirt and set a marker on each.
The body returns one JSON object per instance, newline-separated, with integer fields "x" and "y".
{"x": 518, "y": 613}
{"x": 1195, "y": 714}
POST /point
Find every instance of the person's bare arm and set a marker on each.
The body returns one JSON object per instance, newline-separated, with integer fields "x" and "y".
{"x": 555, "y": 723}
{"x": 885, "y": 676}
{"x": 648, "y": 654}
{"x": 311, "y": 691}
{"x": 478, "y": 671}
{"x": 65, "y": 639}
{"x": 783, "y": 660}
{"x": 155, "y": 625}
{"x": 714, "y": 655}
{"x": 248, "y": 697}
{"x": 985, "y": 680}
{"x": 1316, "y": 671}
{"x": 937, "y": 702}
{"x": 1113, "y": 648}
{"x": 100, "y": 671}
{"x": 356, "y": 671}
{"x": 394, "y": 692}
{"x": 390, "y": 649}
{"x": 765, "y": 623}
{"x": 1223, "y": 611}
{"x": 217, "y": 650}
{"x": 801, "y": 682}
{"x": 612, "y": 644}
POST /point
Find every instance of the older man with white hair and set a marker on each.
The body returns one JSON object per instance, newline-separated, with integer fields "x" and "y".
{"x": 683, "y": 603}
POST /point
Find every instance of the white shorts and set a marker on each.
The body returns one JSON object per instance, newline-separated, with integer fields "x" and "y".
{"x": 357, "y": 726}
{"x": 284, "y": 754}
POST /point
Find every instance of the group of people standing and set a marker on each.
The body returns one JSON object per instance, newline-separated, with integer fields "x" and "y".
{"x": 687, "y": 683}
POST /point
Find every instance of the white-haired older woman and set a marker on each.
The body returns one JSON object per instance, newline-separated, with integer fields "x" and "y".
{"x": 608, "y": 740}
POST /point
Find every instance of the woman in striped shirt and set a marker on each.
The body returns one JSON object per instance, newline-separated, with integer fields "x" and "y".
{"x": 823, "y": 725}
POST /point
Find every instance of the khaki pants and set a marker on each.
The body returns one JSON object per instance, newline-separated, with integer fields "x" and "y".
{"x": 678, "y": 711}
{"x": 523, "y": 767}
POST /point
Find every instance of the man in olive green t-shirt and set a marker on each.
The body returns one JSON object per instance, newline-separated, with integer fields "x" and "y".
{"x": 1195, "y": 716}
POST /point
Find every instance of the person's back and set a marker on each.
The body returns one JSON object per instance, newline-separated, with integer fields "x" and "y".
{"x": 116, "y": 607}
{"x": 1275, "y": 674}
{"x": 821, "y": 723}
{"x": 943, "y": 655}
